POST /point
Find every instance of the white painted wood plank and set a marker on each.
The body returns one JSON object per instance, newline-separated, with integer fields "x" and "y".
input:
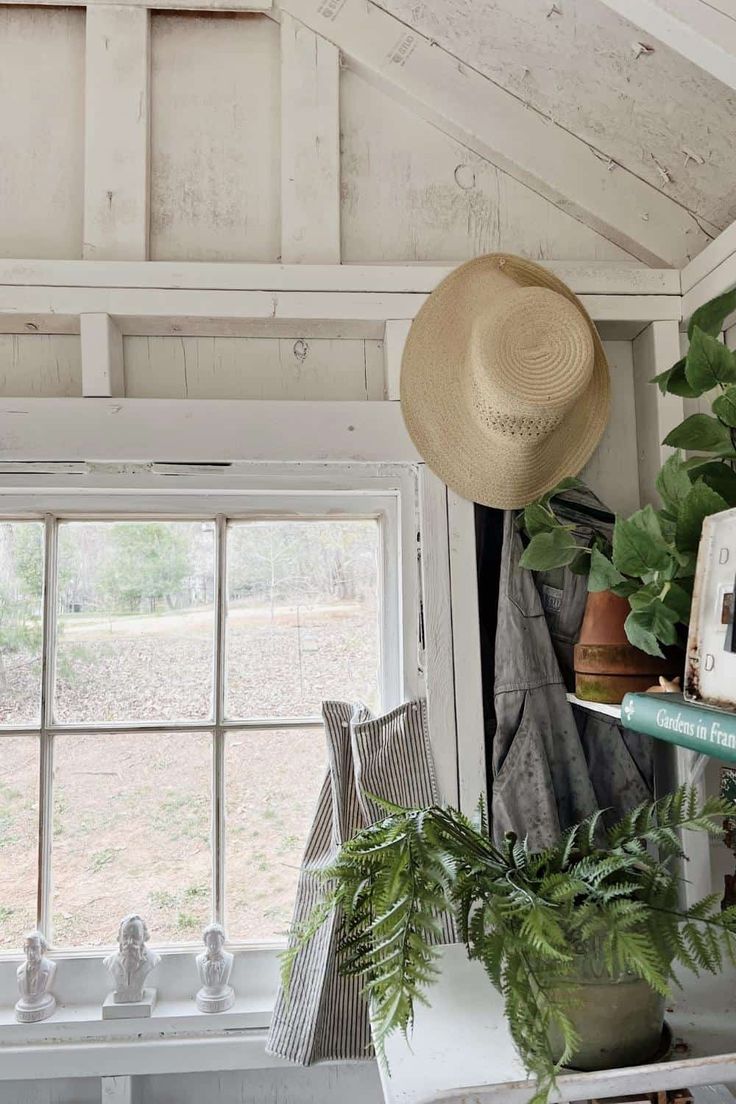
{"x": 161, "y": 5}
{"x": 396, "y": 333}
{"x": 583, "y": 277}
{"x": 310, "y": 146}
{"x": 692, "y": 28}
{"x": 116, "y": 138}
{"x": 116, "y": 1090}
{"x": 215, "y": 108}
{"x": 40, "y": 365}
{"x": 461, "y": 1049}
{"x": 715, "y": 254}
{"x": 466, "y": 653}
{"x": 375, "y": 385}
{"x": 102, "y": 357}
{"x": 246, "y": 368}
{"x": 210, "y": 430}
{"x": 41, "y": 132}
{"x": 411, "y": 192}
{"x": 612, "y": 470}
{"x": 437, "y": 619}
{"x": 654, "y": 350}
{"x": 159, "y": 310}
{"x": 497, "y": 125}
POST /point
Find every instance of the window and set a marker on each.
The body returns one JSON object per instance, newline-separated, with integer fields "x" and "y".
{"x": 161, "y": 674}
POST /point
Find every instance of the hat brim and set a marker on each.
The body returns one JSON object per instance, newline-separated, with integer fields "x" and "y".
{"x": 437, "y": 405}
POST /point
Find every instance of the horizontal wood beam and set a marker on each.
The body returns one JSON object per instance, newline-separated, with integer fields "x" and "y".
{"x": 160, "y": 5}
{"x": 181, "y": 431}
{"x": 694, "y": 29}
{"x": 584, "y": 277}
{"x": 503, "y": 129}
{"x": 157, "y": 311}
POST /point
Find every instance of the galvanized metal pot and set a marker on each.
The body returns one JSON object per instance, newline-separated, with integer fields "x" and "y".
{"x": 619, "y": 1019}
{"x": 606, "y": 665}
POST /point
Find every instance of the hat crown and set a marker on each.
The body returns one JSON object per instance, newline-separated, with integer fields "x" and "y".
{"x": 531, "y": 358}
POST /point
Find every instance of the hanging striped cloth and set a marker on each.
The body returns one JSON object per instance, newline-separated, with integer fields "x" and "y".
{"x": 325, "y": 1017}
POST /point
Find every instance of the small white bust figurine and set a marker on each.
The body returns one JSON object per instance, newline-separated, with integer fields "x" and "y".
{"x": 215, "y": 965}
{"x": 133, "y": 962}
{"x": 35, "y": 978}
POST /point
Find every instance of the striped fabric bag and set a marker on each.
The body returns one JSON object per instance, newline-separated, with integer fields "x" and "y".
{"x": 326, "y": 1017}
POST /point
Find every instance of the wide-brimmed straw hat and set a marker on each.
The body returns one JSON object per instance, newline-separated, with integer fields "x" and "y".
{"x": 504, "y": 381}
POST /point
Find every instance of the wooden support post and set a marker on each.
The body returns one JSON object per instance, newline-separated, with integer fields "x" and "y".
{"x": 656, "y": 348}
{"x": 466, "y": 652}
{"x": 394, "y": 339}
{"x": 103, "y": 374}
{"x": 116, "y": 134}
{"x": 310, "y": 146}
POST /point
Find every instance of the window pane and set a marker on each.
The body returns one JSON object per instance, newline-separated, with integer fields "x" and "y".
{"x": 19, "y": 767}
{"x": 272, "y": 781}
{"x": 303, "y": 616}
{"x": 135, "y": 621}
{"x": 131, "y": 833}
{"x": 21, "y": 610}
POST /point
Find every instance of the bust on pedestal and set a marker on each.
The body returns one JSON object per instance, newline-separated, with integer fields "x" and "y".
{"x": 130, "y": 966}
{"x": 214, "y": 966}
{"x": 35, "y": 978}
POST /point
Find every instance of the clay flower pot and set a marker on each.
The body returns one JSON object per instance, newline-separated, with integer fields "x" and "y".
{"x": 606, "y": 665}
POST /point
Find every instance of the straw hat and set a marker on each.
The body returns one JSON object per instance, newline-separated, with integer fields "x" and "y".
{"x": 504, "y": 382}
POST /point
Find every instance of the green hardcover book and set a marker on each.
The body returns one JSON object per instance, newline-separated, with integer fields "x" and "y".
{"x": 670, "y": 717}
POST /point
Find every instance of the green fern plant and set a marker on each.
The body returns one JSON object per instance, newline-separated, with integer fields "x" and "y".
{"x": 527, "y": 917}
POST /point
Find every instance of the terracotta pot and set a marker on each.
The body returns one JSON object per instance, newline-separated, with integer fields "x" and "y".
{"x": 606, "y": 665}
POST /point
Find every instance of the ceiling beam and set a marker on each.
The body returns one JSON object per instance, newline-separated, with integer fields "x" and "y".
{"x": 505, "y": 131}
{"x": 698, "y": 31}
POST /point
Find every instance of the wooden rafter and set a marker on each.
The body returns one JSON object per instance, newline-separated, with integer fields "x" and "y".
{"x": 501, "y": 128}
{"x": 701, "y": 32}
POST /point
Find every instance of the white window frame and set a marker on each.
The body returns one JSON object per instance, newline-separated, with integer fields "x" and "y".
{"x": 417, "y": 643}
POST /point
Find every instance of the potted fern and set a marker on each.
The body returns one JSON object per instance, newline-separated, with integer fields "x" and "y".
{"x": 642, "y": 579}
{"x": 591, "y": 923}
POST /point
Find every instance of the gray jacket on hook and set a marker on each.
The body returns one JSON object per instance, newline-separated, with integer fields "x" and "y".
{"x": 552, "y": 763}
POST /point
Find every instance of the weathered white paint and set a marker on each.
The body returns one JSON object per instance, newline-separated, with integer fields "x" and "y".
{"x": 116, "y": 133}
{"x": 412, "y": 192}
{"x": 102, "y": 357}
{"x": 394, "y": 339}
{"x": 251, "y": 368}
{"x": 497, "y": 125}
{"x": 654, "y": 350}
{"x": 579, "y": 69}
{"x": 693, "y": 28}
{"x": 116, "y": 1090}
{"x": 215, "y": 103}
{"x": 162, "y": 5}
{"x": 584, "y": 277}
{"x": 41, "y": 131}
{"x": 40, "y": 365}
{"x": 181, "y": 431}
{"x": 310, "y": 146}
{"x": 712, "y": 257}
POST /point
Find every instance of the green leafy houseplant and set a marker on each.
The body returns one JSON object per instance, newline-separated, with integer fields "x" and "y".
{"x": 651, "y": 559}
{"x": 527, "y": 917}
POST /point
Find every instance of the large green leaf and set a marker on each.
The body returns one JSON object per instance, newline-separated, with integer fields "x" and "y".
{"x": 570, "y": 482}
{"x": 603, "y": 575}
{"x": 679, "y": 600}
{"x": 708, "y": 362}
{"x": 538, "y": 520}
{"x": 673, "y": 482}
{"x": 701, "y": 501}
{"x": 710, "y": 317}
{"x": 700, "y": 431}
{"x": 725, "y": 406}
{"x": 638, "y": 544}
{"x": 645, "y": 628}
{"x": 719, "y": 475}
{"x": 675, "y": 381}
{"x": 546, "y": 551}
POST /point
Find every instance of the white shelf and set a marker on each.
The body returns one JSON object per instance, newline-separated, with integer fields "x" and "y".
{"x": 596, "y": 707}
{"x": 461, "y": 1048}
